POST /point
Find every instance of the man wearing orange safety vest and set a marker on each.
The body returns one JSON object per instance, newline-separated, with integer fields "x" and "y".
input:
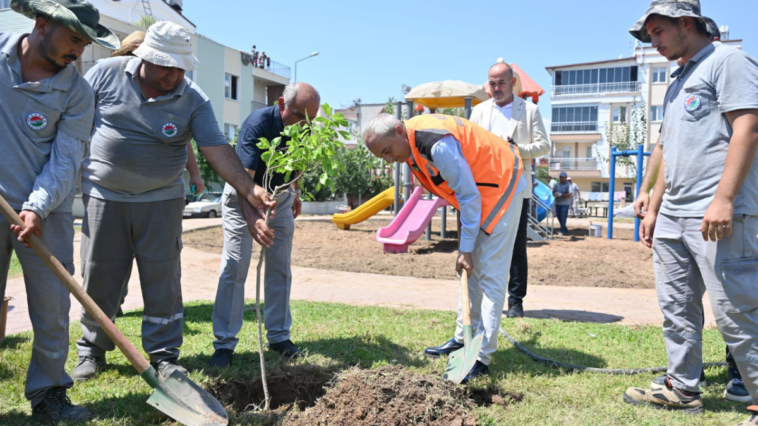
{"x": 478, "y": 173}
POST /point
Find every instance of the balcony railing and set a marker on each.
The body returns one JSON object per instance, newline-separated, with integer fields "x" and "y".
{"x": 276, "y": 68}
{"x": 558, "y": 163}
{"x": 574, "y": 127}
{"x": 586, "y": 89}
{"x": 258, "y": 105}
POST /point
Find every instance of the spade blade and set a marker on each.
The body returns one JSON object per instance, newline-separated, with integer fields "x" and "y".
{"x": 462, "y": 361}
{"x": 184, "y": 401}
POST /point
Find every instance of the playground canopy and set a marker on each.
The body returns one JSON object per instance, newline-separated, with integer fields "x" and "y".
{"x": 446, "y": 94}
{"x": 528, "y": 86}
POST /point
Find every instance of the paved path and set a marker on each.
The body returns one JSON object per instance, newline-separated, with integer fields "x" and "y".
{"x": 200, "y": 277}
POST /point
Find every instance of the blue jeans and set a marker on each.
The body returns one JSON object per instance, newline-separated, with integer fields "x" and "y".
{"x": 562, "y": 212}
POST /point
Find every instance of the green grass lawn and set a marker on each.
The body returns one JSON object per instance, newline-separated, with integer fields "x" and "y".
{"x": 340, "y": 336}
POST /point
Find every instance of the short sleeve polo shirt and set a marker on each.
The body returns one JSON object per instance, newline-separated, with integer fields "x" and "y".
{"x": 263, "y": 123}
{"x": 696, "y": 132}
{"x": 33, "y": 113}
{"x": 138, "y": 151}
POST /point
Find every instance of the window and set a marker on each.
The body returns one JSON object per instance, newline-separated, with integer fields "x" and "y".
{"x": 602, "y": 75}
{"x": 575, "y": 114}
{"x": 5, "y": 4}
{"x": 230, "y": 130}
{"x": 589, "y": 152}
{"x": 659, "y": 75}
{"x": 599, "y": 187}
{"x": 230, "y": 86}
{"x": 619, "y": 114}
{"x": 656, "y": 113}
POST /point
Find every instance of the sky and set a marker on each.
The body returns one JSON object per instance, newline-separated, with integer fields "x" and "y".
{"x": 369, "y": 49}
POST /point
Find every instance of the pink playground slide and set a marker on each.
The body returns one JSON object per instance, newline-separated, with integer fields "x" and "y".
{"x": 410, "y": 223}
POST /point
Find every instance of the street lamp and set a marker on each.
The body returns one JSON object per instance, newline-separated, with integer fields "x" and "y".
{"x": 309, "y": 56}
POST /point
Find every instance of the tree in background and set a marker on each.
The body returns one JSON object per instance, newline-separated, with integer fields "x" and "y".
{"x": 628, "y": 136}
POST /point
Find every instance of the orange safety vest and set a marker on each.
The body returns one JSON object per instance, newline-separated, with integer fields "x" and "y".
{"x": 495, "y": 163}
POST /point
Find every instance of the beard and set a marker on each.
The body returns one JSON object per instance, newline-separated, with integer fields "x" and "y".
{"x": 49, "y": 52}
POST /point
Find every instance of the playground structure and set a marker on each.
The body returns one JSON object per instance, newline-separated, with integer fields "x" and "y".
{"x": 641, "y": 154}
{"x": 373, "y": 206}
{"x": 410, "y": 223}
{"x": 417, "y": 213}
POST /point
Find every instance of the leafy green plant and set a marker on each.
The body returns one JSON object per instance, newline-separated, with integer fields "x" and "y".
{"x": 146, "y": 21}
{"x": 310, "y": 146}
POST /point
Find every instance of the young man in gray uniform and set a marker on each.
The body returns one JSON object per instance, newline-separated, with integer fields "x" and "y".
{"x": 146, "y": 115}
{"x": 702, "y": 220}
{"x": 299, "y": 100}
{"x": 47, "y": 110}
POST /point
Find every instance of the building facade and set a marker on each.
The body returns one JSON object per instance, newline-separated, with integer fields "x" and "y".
{"x": 593, "y": 106}
{"x": 235, "y": 87}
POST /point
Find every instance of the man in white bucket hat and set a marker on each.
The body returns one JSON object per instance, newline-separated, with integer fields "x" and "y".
{"x": 146, "y": 114}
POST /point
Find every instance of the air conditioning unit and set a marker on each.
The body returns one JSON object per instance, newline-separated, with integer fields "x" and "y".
{"x": 176, "y": 4}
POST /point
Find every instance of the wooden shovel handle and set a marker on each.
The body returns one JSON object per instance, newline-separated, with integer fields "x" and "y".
{"x": 465, "y": 299}
{"x": 131, "y": 353}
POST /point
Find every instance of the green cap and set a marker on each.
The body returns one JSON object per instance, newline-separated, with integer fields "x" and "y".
{"x": 670, "y": 8}
{"x": 79, "y": 16}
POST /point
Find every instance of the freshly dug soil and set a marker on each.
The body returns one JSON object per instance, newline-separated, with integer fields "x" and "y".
{"x": 576, "y": 260}
{"x": 389, "y": 395}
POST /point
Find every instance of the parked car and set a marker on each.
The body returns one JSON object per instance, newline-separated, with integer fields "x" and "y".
{"x": 207, "y": 204}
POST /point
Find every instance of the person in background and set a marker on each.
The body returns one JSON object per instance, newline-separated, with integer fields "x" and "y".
{"x": 518, "y": 122}
{"x": 575, "y": 194}
{"x": 562, "y": 192}
{"x": 268, "y": 63}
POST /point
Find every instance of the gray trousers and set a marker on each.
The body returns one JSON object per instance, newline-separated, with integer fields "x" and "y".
{"x": 685, "y": 267}
{"x": 48, "y": 301}
{"x": 277, "y": 279}
{"x": 113, "y": 235}
{"x": 488, "y": 284}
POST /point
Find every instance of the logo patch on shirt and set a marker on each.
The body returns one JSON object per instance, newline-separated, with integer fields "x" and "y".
{"x": 169, "y": 130}
{"x": 692, "y": 103}
{"x": 36, "y": 121}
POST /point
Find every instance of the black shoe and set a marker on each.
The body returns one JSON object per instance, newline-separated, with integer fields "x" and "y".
{"x": 56, "y": 407}
{"x": 120, "y": 313}
{"x": 445, "y": 349}
{"x": 166, "y": 367}
{"x": 88, "y": 367}
{"x": 661, "y": 380}
{"x": 735, "y": 390}
{"x": 479, "y": 369}
{"x": 221, "y": 358}
{"x": 286, "y": 348}
{"x": 515, "y": 310}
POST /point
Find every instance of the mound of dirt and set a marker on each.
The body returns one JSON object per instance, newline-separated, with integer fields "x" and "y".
{"x": 389, "y": 395}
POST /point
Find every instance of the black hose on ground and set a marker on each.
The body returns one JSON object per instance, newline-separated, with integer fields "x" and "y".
{"x": 557, "y": 364}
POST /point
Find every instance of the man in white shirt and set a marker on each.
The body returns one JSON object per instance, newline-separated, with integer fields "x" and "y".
{"x": 574, "y": 209}
{"x": 518, "y": 122}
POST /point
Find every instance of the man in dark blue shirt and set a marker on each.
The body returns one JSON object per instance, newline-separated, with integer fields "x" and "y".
{"x": 299, "y": 101}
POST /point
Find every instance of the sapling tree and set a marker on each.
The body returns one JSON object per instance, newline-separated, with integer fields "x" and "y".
{"x": 310, "y": 145}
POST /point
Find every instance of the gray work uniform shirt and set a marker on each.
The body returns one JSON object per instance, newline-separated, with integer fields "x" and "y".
{"x": 562, "y": 188}
{"x": 44, "y": 128}
{"x": 139, "y": 149}
{"x": 696, "y": 133}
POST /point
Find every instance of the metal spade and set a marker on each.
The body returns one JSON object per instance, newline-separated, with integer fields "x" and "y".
{"x": 178, "y": 397}
{"x": 462, "y": 361}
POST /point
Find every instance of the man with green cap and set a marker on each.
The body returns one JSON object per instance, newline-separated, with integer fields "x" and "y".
{"x": 47, "y": 112}
{"x": 702, "y": 220}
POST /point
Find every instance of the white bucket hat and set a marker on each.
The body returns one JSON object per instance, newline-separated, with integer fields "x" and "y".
{"x": 168, "y": 45}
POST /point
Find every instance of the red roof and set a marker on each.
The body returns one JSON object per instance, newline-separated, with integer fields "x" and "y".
{"x": 528, "y": 86}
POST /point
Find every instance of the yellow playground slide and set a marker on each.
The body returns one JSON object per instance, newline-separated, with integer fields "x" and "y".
{"x": 368, "y": 209}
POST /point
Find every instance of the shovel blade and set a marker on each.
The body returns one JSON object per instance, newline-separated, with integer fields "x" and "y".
{"x": 462, "y": 361}
{"x": 184, "y": 401}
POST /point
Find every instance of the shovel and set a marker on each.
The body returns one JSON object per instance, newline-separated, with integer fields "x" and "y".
{"x": 178, "y": 397}
{"x": 462, "y": 361}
